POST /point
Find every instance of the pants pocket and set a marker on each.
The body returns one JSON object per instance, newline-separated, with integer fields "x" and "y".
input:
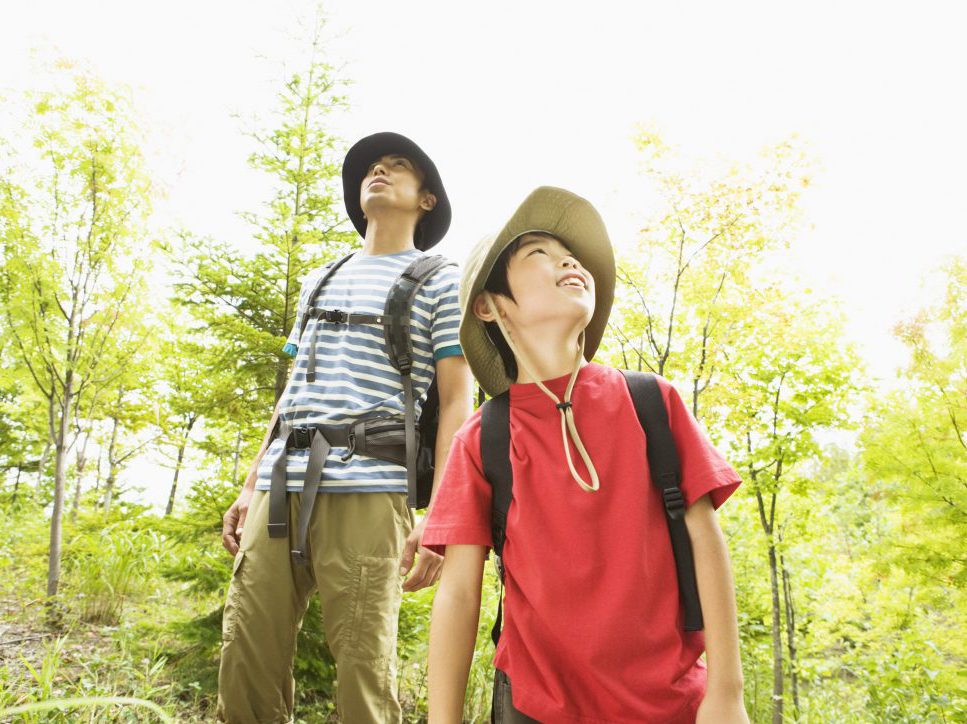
{"x": 231, "y": 613}
{"x": 377, "y": 589}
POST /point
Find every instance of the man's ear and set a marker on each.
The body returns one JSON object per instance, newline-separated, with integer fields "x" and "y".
{"x": 428, "y": 202}
{"x": 481, "y": 310}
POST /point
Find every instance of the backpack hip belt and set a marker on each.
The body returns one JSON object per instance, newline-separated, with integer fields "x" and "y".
{"x": 382, "y": 439}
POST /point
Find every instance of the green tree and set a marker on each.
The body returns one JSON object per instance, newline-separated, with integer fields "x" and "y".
{"x": 69, "y": 281}
{"x": 686, "y": 280}
{"x": 791, "y": 377}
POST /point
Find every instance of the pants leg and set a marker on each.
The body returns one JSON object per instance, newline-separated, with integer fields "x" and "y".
{"x": 267, "y": 599}
{"x": 355, "y": 551}
{"x": 503, "y": 711}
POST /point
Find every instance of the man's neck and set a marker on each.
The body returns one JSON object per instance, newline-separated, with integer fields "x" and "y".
{"x": 388, "y": 235}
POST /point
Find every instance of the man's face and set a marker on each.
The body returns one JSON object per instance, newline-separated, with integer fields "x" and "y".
{"x": 394, "y": 182}
{"x": 549, "y": 286}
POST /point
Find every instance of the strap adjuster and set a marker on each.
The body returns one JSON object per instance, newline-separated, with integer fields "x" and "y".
{"x": 300, "y": 438}
{"x": 299, "y": 557}
{"x": 337, "y": 316}
{"x": 674, "y": 502}
{"x": 278, "y": 530}
{"x": 352, "y": 447}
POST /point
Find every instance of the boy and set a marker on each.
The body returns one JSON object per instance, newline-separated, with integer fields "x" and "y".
{"x": 357, "y": 537}
{"x": 592, "y": 627}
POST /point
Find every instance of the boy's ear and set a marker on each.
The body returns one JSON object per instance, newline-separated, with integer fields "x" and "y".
{"x": 428, "y": 202}
{"x": 481, "y": 310}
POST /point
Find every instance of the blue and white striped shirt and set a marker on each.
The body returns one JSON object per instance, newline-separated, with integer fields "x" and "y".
{"x": 354, "y": 377}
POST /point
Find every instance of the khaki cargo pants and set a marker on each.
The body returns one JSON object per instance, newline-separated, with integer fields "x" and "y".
{"x": 355, "y": 544}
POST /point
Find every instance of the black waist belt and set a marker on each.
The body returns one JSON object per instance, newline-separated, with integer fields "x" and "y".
{"x": 377, "y": 438}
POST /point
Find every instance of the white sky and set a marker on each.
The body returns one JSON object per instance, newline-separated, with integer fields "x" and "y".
{"x": 509, "y": 95}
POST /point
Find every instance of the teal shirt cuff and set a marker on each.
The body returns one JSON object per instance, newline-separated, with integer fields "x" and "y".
{"x": 449, "y": 351}
{"x": 290, "y": 349}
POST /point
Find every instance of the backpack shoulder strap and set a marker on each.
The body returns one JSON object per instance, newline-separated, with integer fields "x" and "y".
{"x": 328, "y": 270}
{"x": 665, "y": 471}
{"x": 399, "y": 349}
{"x": 495, "y": 457}
{"x": 399, "y": 306}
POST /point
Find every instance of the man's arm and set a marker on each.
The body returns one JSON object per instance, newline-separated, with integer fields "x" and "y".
{"x": 713, "y": 572}
{"x": 453, "y": 631}
{"x": 455, "y": 385}
{"x": 234, "y": 519}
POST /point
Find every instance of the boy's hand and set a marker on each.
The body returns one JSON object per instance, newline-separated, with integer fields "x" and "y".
{"x": 721, "y": 708}
{"x": 428, "y": 566}
{"x": 234, "y": 520}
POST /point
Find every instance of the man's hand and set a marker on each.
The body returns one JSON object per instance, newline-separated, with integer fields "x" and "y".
{"x": 428, "y": 566}
{"x": 722, "y": 708}
{"x": 234, "y": 519}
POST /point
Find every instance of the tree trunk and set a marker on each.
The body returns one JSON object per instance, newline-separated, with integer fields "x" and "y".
{"x": 79, "y": 468}
{"x": 181, "y": 456}
{"x": 109, "y": 489}
{"x": 16, "y": 485}
{"x": 60, "y": 463}
{"x": 238, "y": 452}
{"x": 112, "y": 465}
{"x": 777, "y": 673}
{"x": 174, "y": 482}
{"x": 281, "y": 377}
{"x": 790, "y": 634}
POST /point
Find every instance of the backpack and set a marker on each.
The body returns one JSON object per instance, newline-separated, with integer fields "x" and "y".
{"x": 414, "y": 440}
{"x": 662, "y": 462}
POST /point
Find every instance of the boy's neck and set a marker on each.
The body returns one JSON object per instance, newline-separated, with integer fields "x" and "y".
{"x": 388, "y": 234}
{"x": 549, "y": 356}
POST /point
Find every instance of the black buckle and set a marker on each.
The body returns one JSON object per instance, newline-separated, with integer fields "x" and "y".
{"x": 336, "y": 316}
{"x": 674, "y": 502}
{"x": 278, "y": 530}
{"x": 300, "y": 438}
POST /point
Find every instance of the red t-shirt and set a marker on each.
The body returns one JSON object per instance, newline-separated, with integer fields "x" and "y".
{"x": 592, "y": 628}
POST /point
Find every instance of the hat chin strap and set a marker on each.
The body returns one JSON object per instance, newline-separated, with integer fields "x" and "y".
{"x": 564, "y": 406}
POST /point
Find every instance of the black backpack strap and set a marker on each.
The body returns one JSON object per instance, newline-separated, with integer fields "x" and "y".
{"x": 399, "y": 346}
{"x": 666, "y": 475}
{"x": 495, "y": 457}
{"x": 330, "y": 269}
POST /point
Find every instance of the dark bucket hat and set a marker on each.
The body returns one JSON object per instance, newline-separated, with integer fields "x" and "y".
{"x": 434, "y": 225}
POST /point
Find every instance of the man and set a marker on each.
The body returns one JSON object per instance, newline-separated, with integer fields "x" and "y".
{"x": 356, "y": 538}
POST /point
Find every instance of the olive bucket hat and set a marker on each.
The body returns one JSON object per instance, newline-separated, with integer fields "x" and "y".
{"x": 434, "y": 225}
{"x": 576, "y": 223}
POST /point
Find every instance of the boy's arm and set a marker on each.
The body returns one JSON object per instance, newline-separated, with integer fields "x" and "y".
{"x": 453, "y": 631}
{"x": 716, "y": 592}
{"x": 455, "y": 385}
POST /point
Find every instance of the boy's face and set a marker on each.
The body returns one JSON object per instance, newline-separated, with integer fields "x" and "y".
{"x": 394, "y": 182}
{"x": 548, "y": 284}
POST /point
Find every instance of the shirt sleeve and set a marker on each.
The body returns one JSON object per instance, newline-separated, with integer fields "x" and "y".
{"x": 704, "y": 470}
{"x": 461, "y": 509}
{"x": 445, "y": 319}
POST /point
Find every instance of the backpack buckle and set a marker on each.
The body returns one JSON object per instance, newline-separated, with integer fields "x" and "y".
{"x": 337, "y": 316}
{"x": 299, "y": 438}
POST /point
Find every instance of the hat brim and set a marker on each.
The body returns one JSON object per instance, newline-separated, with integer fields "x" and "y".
{"x": 435, "y": 224}
{"x": 577, "y": 224}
